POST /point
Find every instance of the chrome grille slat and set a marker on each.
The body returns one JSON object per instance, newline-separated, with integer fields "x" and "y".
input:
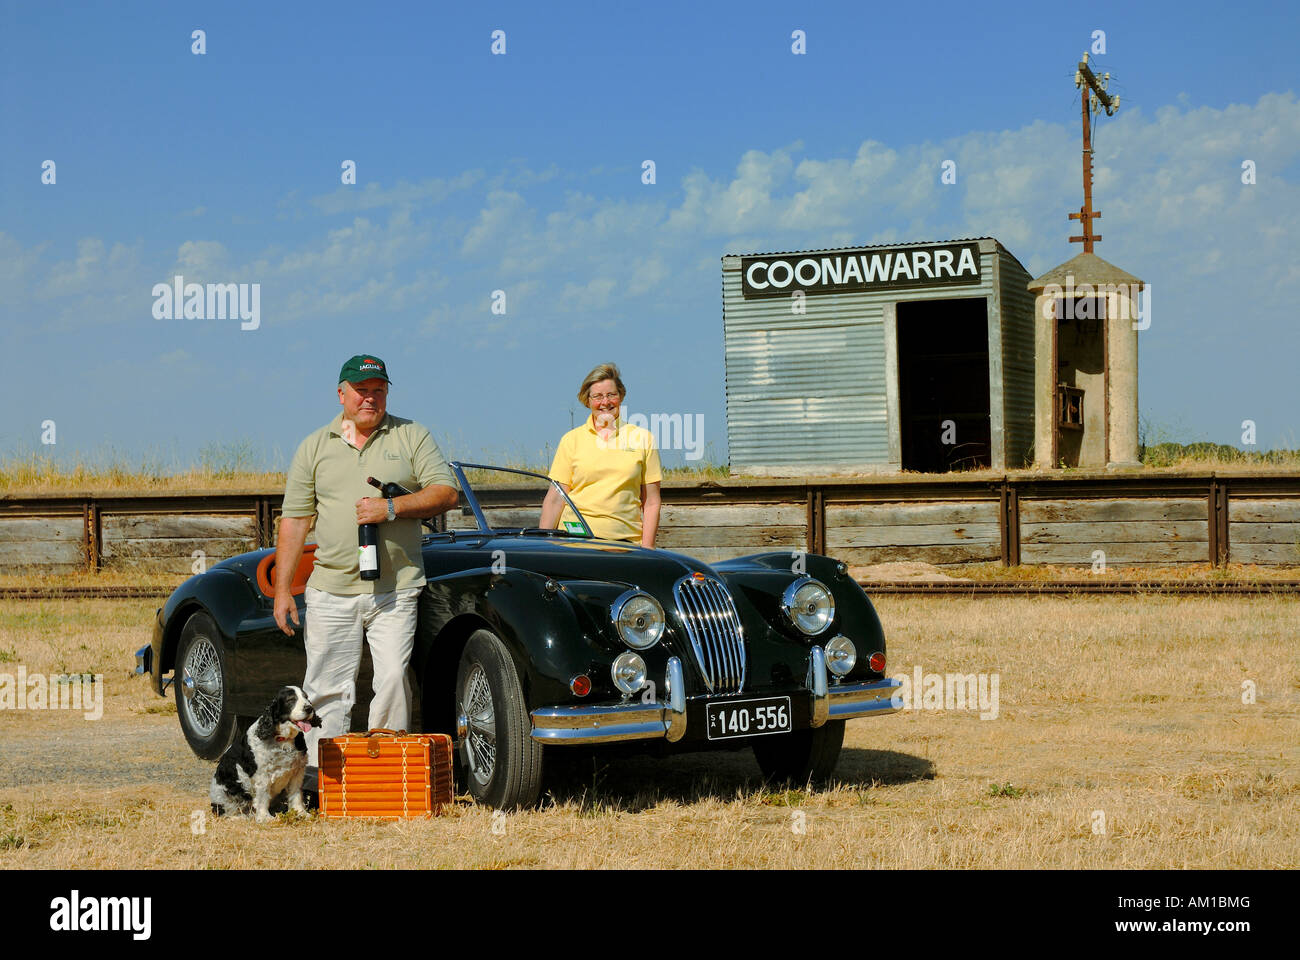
{"x": 708, "y": 635}
{"x": 700, "y": 638}
{"x": 713, "y": 627}
{"x": 729, "y": 654}
{"x": 713, "y": 630}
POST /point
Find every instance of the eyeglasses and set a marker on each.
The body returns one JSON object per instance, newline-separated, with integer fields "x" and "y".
{"x": 598, "y": 397}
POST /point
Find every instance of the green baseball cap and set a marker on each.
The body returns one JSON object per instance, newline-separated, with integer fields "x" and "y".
{"x": 364, "y": 366}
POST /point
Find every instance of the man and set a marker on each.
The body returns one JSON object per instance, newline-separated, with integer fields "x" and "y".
{"x": 327, "y": 481}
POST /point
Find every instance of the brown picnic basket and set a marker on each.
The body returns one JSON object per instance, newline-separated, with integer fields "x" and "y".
{"x": 385, "y": 773}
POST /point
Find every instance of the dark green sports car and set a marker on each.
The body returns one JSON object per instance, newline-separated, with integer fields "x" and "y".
{"x": 532, "y": 641}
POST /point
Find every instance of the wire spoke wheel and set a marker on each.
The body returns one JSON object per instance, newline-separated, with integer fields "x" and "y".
{"x": 201, "y": 677}
{"x": 481, "y": 738}
{"x": 201, "y": 702}
{"x": 502, "y": 764}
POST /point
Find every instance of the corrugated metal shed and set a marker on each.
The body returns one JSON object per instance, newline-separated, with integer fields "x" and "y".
{"x": 812, "y": 385}
{"x": 1017, "y": 306}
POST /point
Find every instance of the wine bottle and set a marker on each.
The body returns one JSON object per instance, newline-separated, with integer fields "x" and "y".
{"x": 368, "y": 533}
{"x": 389, "y": 490}
{"x": 368, "y": 550}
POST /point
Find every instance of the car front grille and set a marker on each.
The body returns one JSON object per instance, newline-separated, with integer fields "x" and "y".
{"x": 709, "y": 613}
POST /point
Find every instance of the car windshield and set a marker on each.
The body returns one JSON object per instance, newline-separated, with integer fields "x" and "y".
{"x": 506, "y": 499}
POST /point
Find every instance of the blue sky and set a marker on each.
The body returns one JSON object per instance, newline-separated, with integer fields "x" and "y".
{"x": 522, "y": 173}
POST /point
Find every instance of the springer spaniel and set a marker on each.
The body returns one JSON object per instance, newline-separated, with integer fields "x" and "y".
{"x": 267, "y": 761}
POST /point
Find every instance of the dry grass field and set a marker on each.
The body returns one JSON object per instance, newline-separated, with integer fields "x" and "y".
{"x": 1121, "y": 740}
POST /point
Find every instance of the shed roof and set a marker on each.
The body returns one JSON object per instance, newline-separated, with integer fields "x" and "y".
{"x": 1085, "y": 268}
{"x": 862, "y": 246}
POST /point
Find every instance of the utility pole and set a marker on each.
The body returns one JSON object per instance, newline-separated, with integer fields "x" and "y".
{"x": 1093, "y": 92}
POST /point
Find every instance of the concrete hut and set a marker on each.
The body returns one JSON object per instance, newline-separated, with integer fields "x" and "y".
{"x": 1086, "y": 323}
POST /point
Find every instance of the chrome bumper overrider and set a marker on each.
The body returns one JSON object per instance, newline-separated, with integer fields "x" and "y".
{"x": 844, "y": 701}
{"x": 646, "y": 720}
{"x": 605, "y": 723}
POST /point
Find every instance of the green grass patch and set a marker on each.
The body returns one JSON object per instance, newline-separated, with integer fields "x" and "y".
{"x": 1006, "y": 790}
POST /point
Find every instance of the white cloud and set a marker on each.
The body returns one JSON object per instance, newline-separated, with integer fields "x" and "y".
{"x": 355, "y": 198}
{"x": 200, "y": 261}
{"x": 1219, "y": 254}
{"x": 504, "y": 214}
{"x": 593, "y": 295}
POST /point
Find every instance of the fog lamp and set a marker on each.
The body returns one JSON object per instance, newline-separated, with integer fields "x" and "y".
{"x": 628, "y": 672}
{"x": 841, "y": 656}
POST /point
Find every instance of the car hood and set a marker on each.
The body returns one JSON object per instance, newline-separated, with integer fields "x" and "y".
{"x": 578, "y": 559}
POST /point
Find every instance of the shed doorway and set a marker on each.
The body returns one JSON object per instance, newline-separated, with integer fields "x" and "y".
{"x": 943, "y": 384}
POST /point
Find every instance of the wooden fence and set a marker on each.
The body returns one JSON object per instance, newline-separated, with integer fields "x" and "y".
{"x": 1059, "y": 519}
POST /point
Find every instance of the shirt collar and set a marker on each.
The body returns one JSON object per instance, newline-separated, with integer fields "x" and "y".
{"x": 336, "y": 425}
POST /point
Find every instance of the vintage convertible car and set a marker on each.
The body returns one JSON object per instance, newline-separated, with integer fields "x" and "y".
{"x": 532, "y": 641}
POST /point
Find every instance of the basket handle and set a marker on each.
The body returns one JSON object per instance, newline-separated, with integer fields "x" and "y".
{"x": 372, "y": 745}
{"x": 375, "y": 731}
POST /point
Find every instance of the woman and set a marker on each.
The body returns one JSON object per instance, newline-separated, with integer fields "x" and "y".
{"x": 609, "y": 468}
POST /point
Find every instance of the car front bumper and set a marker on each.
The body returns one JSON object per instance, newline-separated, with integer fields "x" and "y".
{"x": 147, "y": 659}
{"x": 652, "y": 719}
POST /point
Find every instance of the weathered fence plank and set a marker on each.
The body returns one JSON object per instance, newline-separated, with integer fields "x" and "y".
{"x": 42, "y": 553}
{"x": 1287, "y": 554}
{"x": 27, "y": 529}
{"x": 126, "y": 526}
{"x": 1117, "y": 510}
{"x": 1252, "y": 511}
{"x": 938, "y": 555}
{"x": 916, "y": 534}
{"x": 761, "y": 538}
{"x": 893, "y": 514}
{"x": 1105, "y": 532}
{"x": 1163, "y": 552}
{"x": 213, "y": 548}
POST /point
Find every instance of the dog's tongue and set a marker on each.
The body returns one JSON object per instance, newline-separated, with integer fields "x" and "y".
{"x": 303, "y": 725}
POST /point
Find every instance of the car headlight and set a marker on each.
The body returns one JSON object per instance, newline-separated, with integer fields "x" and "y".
{"x": 628, "y": 672}
{"x": 808, "y": 605}
{"x": 639, "y": 619}
{"x": 841, "y": 656}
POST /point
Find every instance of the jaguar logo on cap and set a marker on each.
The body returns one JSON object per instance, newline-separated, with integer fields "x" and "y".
{"x": 362, "y": 367}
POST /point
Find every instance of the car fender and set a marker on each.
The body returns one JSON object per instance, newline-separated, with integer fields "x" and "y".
{"x": 225, "y": 595}
{"x": 763, "y": 577}
{"x": 549, "y": 641}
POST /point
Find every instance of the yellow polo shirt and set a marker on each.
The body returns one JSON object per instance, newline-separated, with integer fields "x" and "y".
{"x": 605, "y": 477}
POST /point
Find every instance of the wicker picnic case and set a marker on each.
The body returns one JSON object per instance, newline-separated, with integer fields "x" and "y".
{"x": 385, "y": 773}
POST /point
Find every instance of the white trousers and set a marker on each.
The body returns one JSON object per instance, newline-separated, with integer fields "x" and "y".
{"x": 334, "y": 627}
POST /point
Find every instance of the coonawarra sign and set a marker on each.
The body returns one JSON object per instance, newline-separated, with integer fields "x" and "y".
{"x": 856, "y": 271}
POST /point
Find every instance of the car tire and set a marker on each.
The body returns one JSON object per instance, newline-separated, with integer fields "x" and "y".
{"x": 501, "y": 763}
{"x": 801, "y": 756}
{"x": 201, "y": 671}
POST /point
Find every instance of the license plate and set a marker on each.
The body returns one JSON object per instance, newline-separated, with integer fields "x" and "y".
{"x": 748, "y": 718}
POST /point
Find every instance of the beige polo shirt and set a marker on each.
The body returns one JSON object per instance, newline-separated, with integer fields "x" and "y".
{"x": 605, "y": 477}
{"x": 328, "y": 477}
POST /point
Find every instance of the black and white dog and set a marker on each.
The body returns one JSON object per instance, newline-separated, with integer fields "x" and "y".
{"x": 268, "y": 760}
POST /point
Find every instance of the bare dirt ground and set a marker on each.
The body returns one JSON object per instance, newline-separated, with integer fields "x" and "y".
{"x": 1121, "y": 740}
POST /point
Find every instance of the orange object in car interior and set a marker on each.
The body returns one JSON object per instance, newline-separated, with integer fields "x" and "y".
{"x": 266, "y": 569}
